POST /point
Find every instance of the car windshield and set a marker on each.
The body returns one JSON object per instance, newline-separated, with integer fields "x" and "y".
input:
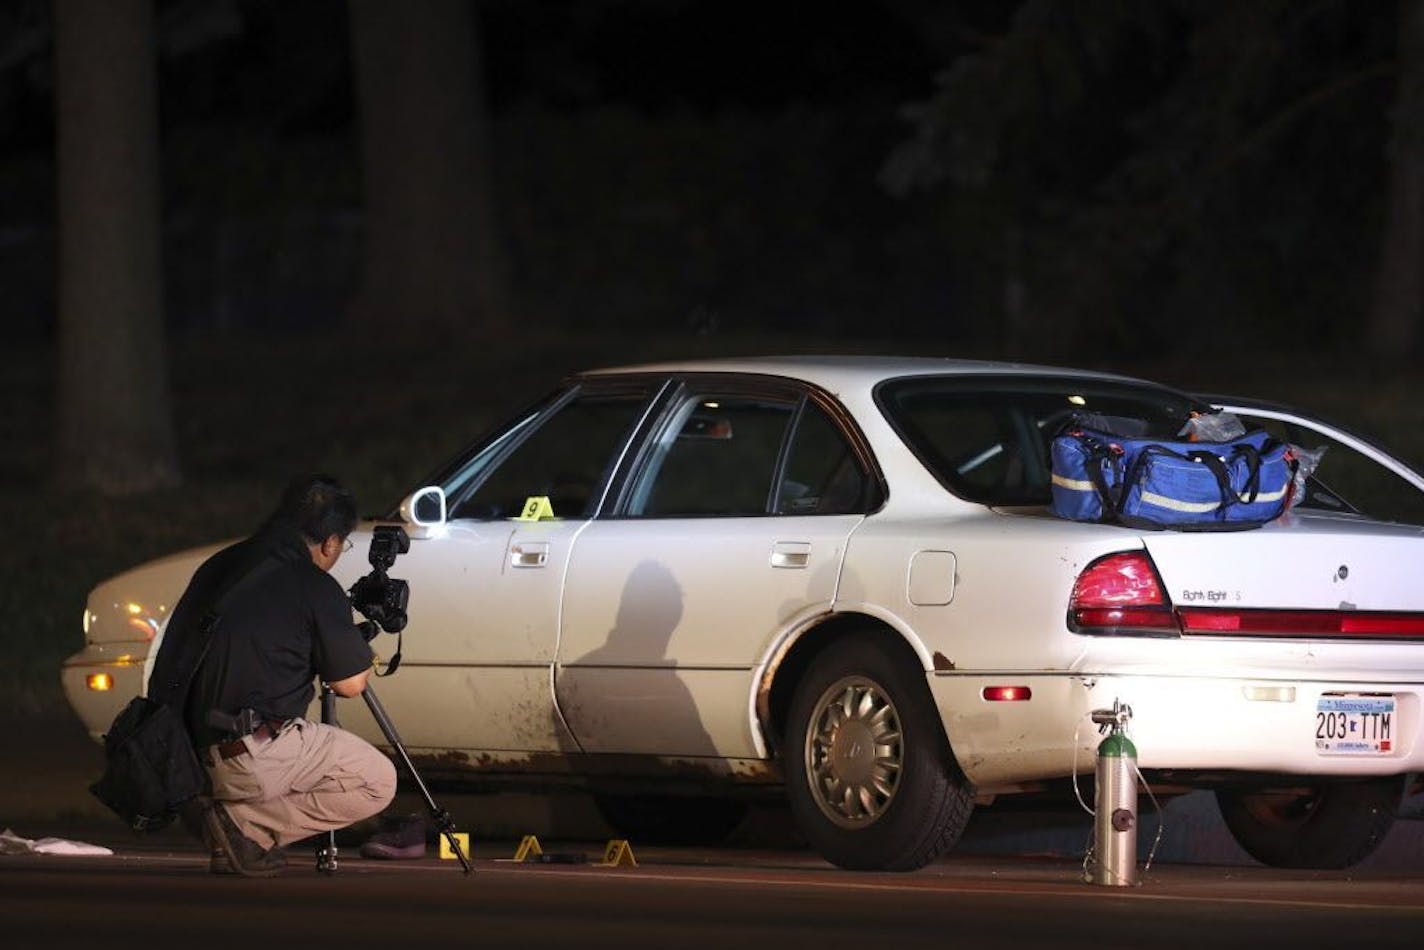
{"x": 987, "y": 438}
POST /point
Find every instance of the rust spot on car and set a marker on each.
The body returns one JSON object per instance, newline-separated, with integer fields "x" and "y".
{"x": 942, "y": 663}
{"x": 477, "y": 770}
{"x": 451, "y": 758}
{"x": 757, "y": 770}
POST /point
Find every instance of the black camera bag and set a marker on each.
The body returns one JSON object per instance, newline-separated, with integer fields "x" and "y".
{"x": 150, "y": 766}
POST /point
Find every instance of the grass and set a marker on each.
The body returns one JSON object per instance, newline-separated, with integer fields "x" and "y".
{"x": 251, "y": 413}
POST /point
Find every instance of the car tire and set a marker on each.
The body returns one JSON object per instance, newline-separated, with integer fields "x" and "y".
{"x": 1331, "y": 825}
{"x": 670, "y": 819}
{"x": 869, "y": 773}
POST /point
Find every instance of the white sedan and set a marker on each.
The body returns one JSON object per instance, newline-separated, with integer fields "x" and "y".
{"x": 686, "y": 585}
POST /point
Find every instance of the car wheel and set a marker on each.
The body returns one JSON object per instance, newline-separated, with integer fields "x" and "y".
{"x": 1333, "y": 825}
{"x": 671, "y": 820}
{"x": 869, "y": 773}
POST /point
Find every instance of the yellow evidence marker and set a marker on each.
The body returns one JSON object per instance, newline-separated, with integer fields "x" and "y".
{"x": 537, "y": 508}
{"x": 528, "y": 848}
{"x": 461, "y": 838}
{"x": 618, "y": 854}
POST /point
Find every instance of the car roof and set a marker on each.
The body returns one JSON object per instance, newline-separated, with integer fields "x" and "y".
{"x": 839, "y": 373}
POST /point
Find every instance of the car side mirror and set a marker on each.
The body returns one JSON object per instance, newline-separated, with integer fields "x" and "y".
{"x": 425, "y": 507}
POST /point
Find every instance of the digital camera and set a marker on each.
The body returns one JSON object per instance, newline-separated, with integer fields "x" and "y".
{"x": 378, "y": 596}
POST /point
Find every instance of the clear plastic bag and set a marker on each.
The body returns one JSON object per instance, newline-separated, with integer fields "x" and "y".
{"x": 1212, "y": 427}
{"x": 1306, "y": 462}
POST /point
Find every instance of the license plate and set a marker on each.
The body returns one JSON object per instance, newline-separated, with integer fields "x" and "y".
{"x": 1354, "y": 725}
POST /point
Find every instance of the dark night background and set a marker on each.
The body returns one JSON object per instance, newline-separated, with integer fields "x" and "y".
{"x": 1154, "y": 173}
{"x": 1224, "y": 195}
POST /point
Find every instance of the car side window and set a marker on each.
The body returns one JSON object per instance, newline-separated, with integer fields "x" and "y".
{"x": 717, "y": 458}
{"x": 992, "y": 449}
{"x": 822, "y": 476}
{"x": 1347, "y": 479}
{"x": 987, "y": 438}
{"x": 567, "y": 457}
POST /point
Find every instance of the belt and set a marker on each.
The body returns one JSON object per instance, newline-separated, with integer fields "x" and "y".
{"x": 266, "y": 731}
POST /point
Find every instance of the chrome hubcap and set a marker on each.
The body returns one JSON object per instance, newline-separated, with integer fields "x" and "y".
{"x": 854, "y": 752}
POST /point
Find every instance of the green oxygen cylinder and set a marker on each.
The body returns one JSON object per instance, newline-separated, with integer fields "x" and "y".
{"x": 1114, "y": 859}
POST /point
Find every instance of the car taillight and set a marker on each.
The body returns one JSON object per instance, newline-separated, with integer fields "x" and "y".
{"x": 1325, "y": 624}
{"x": 1121, "y": 594}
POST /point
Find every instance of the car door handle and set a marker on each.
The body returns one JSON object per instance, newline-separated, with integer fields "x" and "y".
{"x": 529, "y": 554}
{"x": 792, "y": 554}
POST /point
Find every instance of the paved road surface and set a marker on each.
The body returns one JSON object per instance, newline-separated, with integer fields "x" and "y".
{"x": 723, "y": 899}
{"x": 1008, "y": 885}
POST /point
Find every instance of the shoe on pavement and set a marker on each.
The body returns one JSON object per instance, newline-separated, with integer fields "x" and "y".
{"x": 232, "y": 851}
{"x": 401, "y": 838}
{"x": 219, "y": 864}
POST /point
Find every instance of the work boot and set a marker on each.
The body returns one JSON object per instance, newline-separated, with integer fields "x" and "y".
{"x": 239, "y": 853}
{"x": 194, "y": 813}
{"x": 400, "y": 838}
{"x": 219, "y": 864}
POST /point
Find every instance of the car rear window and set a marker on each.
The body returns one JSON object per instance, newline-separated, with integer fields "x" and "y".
{"x": 986, "y": 438}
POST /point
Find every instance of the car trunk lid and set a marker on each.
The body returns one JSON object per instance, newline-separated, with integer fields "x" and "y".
{"x": 1306, "y": 575}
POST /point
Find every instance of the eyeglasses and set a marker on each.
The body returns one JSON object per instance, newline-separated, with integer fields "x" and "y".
{"x": 347, "y": 545}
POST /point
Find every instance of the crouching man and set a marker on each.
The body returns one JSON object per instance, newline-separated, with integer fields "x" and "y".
{"x": 262, "y": 620}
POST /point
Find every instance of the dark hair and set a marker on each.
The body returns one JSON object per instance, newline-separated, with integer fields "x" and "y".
{"x": 318, "y": 506}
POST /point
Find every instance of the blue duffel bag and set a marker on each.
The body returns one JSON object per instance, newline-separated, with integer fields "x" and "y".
{"x": 1153, "y": 483}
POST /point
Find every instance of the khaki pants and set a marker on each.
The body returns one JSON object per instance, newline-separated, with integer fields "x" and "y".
{"x": 310, "y": 778}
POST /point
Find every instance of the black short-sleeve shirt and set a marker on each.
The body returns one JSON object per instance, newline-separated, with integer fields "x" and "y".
{"x": 289, "y": 624}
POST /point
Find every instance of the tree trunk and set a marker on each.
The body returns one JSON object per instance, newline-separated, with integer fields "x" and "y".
{"x": 1393, "y": 334}
{"x": 115, "y": 429}
{"x": 433, "y": 257}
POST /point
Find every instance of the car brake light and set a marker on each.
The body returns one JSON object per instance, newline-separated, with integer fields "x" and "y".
{"x": 1340, "y": 624}
{"x": 1121, "y": 594}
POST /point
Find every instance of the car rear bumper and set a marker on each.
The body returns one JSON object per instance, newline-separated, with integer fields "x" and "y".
{"x": 1192, "y": 723}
